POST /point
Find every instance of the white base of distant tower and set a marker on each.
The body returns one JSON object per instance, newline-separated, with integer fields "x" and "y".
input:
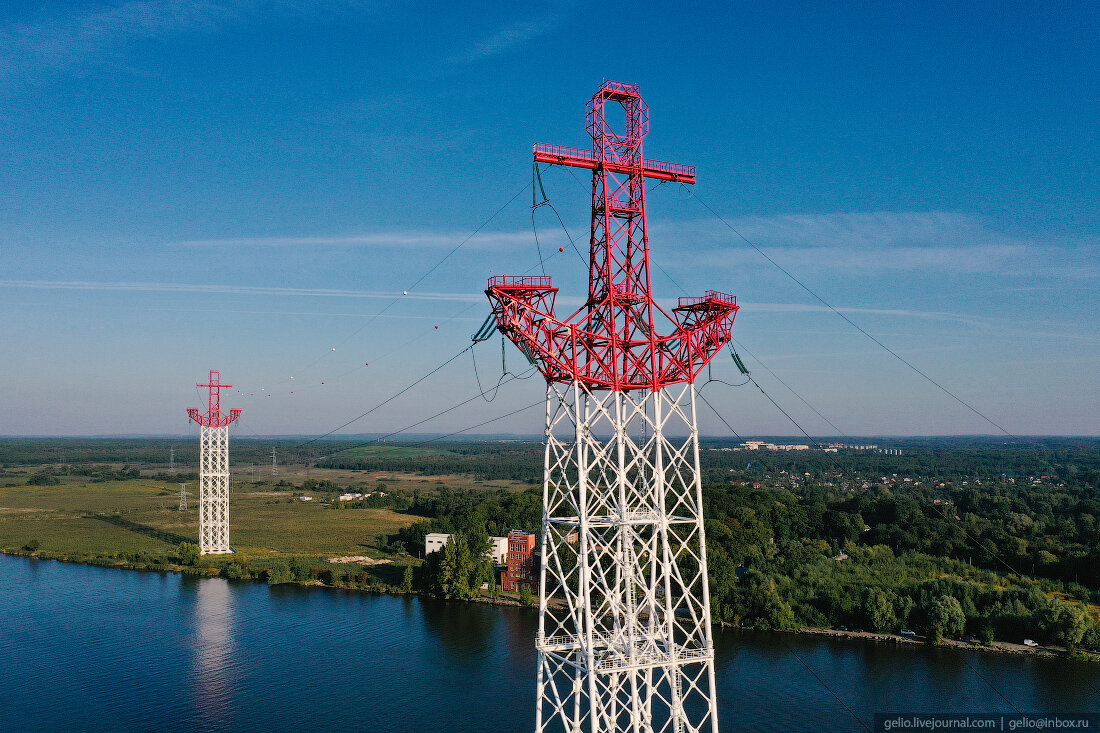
{"x": 214, "y": 490}
{"x": 624, "y": 640}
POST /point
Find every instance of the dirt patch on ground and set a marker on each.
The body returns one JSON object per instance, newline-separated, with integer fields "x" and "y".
{"x": 358, "y": 560}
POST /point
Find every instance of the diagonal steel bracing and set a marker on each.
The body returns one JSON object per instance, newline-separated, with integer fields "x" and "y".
{"x": 214, "y": 469}
{"x": 624, "y": 640}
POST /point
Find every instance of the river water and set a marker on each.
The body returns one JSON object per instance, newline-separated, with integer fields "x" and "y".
{"x": 86, "y": 648}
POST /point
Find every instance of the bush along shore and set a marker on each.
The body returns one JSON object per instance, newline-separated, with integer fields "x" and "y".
{"x": 452, "y": 574}
{"x": 971, "y": 540}
{"x": 311, "y": 572}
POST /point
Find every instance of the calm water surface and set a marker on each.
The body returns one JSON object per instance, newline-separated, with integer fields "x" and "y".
{"x": 85, "y": 648}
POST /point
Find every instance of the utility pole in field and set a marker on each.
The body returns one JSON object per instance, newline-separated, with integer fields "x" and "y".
{"x": 214, "y": 469}
{"x": 624, "y": 638}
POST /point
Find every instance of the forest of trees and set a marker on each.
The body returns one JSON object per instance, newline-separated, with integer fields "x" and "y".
{"x": 780, "y": 561}
{"x": 980, "y": 536}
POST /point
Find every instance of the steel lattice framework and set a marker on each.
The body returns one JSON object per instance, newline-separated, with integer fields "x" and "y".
{"x": 624, "y": 640}
{"x": 214, "y": 469}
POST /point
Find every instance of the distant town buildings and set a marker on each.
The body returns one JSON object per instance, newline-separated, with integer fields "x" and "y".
{"x": 830, "y": 448}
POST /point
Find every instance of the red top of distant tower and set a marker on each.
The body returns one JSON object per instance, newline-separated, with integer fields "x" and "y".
{"x": 612, "y": 341}
{"x": 214, "y": 417}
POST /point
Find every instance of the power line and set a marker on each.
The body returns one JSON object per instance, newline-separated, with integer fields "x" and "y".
{"x": 482, "y": 424}
{"x": 852, "y": 323}
{"x": 789, "y": 388}
{"x": 386, "y": 401}
{"x": 830, "y": 691}
{"x": 512, "y": 377}
{"x": 761, "y": 363}
{"x": 991, "y": 686}
{"x": 719, "y": 416}
{"x": 423, "y": 277}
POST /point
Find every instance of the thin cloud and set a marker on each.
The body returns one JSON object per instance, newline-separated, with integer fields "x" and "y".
{"x": 897, "y": 312}
{"x": 155, "y": 287}
{"x": 59, "y": 42}
{"x": 509, "y": 38}
{"x": 69, "y": 39}
{"x": 402, "y": 239}
{"x": 932, "y": 241}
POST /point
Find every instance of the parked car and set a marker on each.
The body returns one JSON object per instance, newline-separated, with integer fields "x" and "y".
{"x": 909, "y": 633}
{"x": 1030, "y": 642}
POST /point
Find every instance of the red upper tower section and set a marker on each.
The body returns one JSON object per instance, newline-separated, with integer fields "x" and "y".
{"x": 214, "y": 417}
{"x": 613, "y": 341}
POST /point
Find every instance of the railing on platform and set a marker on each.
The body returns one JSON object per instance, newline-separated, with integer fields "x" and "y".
{"x": 566, "y": 153}
{"x": 530, "y": 281}
{"x": 712, "y": 296}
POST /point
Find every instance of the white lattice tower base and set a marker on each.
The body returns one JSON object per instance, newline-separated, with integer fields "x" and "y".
{"x": 214, "y": 490}
{"x": 624, "y": 641}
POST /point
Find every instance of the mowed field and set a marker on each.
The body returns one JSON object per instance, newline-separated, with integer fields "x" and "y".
{"x": 142, "y": 515}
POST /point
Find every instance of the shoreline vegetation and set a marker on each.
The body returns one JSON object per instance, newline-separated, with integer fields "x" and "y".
{"x": 979, "y": 540}
{"x": 513, "y": 600}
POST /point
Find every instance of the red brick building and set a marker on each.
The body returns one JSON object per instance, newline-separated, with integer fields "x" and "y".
{"x": 523, "y": 566}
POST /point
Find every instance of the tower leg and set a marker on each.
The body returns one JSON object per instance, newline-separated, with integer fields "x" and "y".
{"x": 214, "y": 490}
{"x": 624, "y": 640}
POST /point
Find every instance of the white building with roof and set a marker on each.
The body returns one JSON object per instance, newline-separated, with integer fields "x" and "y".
{"x": 498, "y": 547}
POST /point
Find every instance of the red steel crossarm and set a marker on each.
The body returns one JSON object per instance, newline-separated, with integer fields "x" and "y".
{"x": 612, "y": 341}
{"x": 577, "y": 158}
{"x": 214, "y": 417}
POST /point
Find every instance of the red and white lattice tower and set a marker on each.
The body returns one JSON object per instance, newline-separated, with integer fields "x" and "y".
{"x": 624, "y": 640}
{"x": 214, "y": 469}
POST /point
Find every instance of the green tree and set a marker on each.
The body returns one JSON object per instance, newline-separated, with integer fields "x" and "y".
{"x": 1065, "y": 623}
{"x": 299, "y": 569}
{"x": 879, "y": 608}
{"x": 455, "y": 569}
{"x": 526, "y": 597}
{"x": 188, "y": 553}
{"x": 279, "y": 572}
{"x": 986, "y": 635}
{"x": 945, "y": 618}
{"x": 407, "y": 581}
{"x": 31, "y": 546}
{"x": 43, "y": 479}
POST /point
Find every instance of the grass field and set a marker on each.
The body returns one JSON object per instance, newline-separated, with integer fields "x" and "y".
{"x": 142, "y": 515}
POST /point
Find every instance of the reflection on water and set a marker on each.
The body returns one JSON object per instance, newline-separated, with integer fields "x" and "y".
{"x": 84, "y": 648}
{"x": 214, "y": 649}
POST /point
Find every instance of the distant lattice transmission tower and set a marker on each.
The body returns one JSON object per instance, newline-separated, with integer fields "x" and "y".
{"x": 183, "y": 497}
{"x": 624, "y": 640}
{"x": 214, "y": 469}
{"x": 274, "y": 463}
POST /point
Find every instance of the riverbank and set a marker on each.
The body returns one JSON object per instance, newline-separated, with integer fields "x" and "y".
{"x": 230, "y": 569}
{"x": 214, "y": 571}
{"x": 996, "y": 647}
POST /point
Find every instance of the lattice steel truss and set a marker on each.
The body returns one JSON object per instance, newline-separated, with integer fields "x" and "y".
{"x": 624, "y": 641}
{"x": 214, "y": 470}
{"x": 624, "y": 636}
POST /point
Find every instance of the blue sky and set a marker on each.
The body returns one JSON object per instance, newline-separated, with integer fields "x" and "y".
{"x": 245, "y": 185}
